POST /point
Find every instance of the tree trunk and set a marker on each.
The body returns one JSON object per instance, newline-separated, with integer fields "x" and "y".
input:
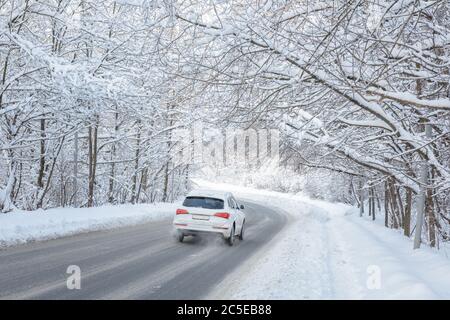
{"x": 62, "y": 182}
{"x": 48, "y": 183}
{"x": 142, "y": 184}
{"x": 407, "y": 219}
{"x": 6, "y": 204}
{"x": 112, "y": 172}
{"x": 400, "y": 206}
{"x": 386, "y": 204}
{"x": 422, "y": 196}
{"x": 431, "y": 218}
{"x": 92, "y": 141}
{"x": 394, "y": 205}
{"x": 377, "y": 197}
{"x": 373, "y": 202}
{"x": 40, "y": 182}
{"x": 41, "y": 172}
{"x": 361, "y": 198}
{"x": 166, "y": 183}
{"x": 75, "y": 170}
{"x": 136, "y": 164}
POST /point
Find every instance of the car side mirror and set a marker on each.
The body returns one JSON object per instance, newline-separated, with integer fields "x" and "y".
{"x": 241, "y": 207}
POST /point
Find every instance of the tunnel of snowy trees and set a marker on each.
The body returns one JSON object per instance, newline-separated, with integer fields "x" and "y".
{"x": 91, "y": 92}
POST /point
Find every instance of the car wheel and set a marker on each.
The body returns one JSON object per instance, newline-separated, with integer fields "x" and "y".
{"x": 230, "y": 240}
{"x": 241, "y": 235}
{"x": 180, "y": 236}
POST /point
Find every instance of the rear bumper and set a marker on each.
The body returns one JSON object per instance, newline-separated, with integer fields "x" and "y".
{"x": 192, "y": 229}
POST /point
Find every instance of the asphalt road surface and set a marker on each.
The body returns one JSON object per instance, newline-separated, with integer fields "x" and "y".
{"x": 139, "y": 262}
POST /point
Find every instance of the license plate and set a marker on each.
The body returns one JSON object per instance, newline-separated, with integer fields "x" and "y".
{"x": 200, "y": 217}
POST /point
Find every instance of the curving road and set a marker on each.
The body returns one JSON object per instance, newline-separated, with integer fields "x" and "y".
{"x": 140, "y": 262}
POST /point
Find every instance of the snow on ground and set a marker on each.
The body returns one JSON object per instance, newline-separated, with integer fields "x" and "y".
{"x": 24, "y": 226}
{"x": 404, "y": 273}
{"x": 329, "y": 252}
{"x": 326, "y": 252}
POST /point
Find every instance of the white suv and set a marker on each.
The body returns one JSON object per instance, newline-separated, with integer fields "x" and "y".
{"x": 210, "y": 211}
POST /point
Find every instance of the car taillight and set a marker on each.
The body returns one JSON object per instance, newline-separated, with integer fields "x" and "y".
{"x": 182, "y": 211}
{"x": 224, "y": 215}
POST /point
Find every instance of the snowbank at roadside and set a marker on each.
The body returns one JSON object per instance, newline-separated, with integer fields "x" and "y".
{"x": 329, "y": 252}
{"x": 23, "y": 226}
{"x": 369, "y": 250}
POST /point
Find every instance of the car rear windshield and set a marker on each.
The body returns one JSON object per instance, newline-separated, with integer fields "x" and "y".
{"x": 203, "y": 202}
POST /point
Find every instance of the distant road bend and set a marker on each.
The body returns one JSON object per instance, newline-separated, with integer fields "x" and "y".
{"x": 139, "y": 262}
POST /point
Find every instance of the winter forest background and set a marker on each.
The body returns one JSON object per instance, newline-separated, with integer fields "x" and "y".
{"x": 91, "y": 92}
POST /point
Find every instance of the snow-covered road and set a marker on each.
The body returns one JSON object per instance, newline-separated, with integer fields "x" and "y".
{"x": 295, "y": 248}
{"x": 142, "y": 261}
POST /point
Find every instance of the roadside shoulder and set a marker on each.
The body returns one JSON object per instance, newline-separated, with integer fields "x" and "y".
{"x": 226, "y": 289}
